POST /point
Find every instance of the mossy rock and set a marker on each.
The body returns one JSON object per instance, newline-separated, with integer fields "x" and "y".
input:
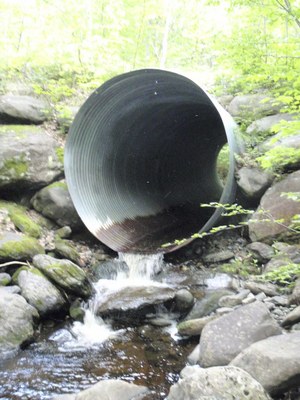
{"x": 67, "y": 250}
{"x": 18, "y": 247}
{"x": 21, "y": 219}
{"x": 5, "y": 279}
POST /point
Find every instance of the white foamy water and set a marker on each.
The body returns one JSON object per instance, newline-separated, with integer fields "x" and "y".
{"x": 93, "y": 330}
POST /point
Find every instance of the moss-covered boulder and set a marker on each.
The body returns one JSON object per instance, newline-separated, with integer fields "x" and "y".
{"x": 14, "y": 246}
{"x": 21, "y": 218}
{"x": 65, "y": 274}
{"x": 29, "y": 158}
{"x": 66, "y": 249}
{"x": 39, "y": 291}
{"x": 5, "y": 279}
{"x": 54, "y": 202}
{"x": 16, "y": 320}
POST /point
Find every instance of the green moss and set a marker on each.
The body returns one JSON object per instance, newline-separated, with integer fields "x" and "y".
{"x": 66, "y": 249}
{"x": 21, "y": 220}
{"x": 20, "y": 131}
{"x": 60, "y": 154}
{"x": 13, "y": 169}
{"x": 23, "y": 249}
{"x": 57, "y": 184}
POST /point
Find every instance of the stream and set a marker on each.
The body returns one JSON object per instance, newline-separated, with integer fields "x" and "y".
{"x": 71, "y": 356}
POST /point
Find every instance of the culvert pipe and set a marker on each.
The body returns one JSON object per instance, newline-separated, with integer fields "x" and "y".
{"x": 141, "y": 156}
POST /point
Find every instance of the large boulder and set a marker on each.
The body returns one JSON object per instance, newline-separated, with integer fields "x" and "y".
{"x": 29, "y": 158}
{"x": 216, "y": 383}
{"x": 275, "y": 206}
{"x": 17, "y": 109}
{"x": 17, "y": 246}
{"x": 253, "y": 105}
{"x": 224, "y": 338}
{"x": 54, "y": 202}
{"x": 274, "y": 362}
{"x": 39, "y": 291}
{"x": 266, "y": 124}
{"x": 253, "y": 182}
{"x": 111, "y": 389}
{"x": 16, "y": 320}
{"x": 65, "y": 274}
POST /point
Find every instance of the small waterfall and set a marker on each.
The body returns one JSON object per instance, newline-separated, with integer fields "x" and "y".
{"x": 93, "y": 330}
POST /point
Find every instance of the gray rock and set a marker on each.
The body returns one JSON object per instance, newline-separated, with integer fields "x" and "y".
{"x": 5, "y": 279}
{"x": 193, "y": 357}
{"x": 274, "y": 362}
{"x": 65, "y": 274}
{"x": 295, "y": 296}
{"x": 254, "y": 105}
{"x": 280, "y": 301}
{"x": 14, "y": 289}
{"x": 194, "y": 327}
{"x": 261, "y": 252}
{"x": 111, "y": 389}
{"x": 23, "y": 109}
{"x": 262, "y": 226}
{"x": 249, "y": 299}
{"x": 292, "y": 318}
{"x": 54, "y": 202}
{"x": 16, "y": 321}
{"x": 286, "y": 141}
{"x": 233, "y": 300}
{"x": 253, "y": 182}
{"x": 266, "y": 124}
{"x": 29, "y": 158}
{"x": 39, "y": 292}
{"x": 208, "y": 304}
{"x": 225, "y": 100}
{"x": 184, "y": 300}
{"x": 223, "y": 339}
{"x": 277, "y": 262}
{"x": 66, "y": 249}
{"x": 217, "y": 383}
{"x": 15, "y": 246}
{"x": 218, "y": 256}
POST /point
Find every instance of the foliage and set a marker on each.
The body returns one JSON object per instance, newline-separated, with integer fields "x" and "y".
{"x": 284, "y": 275}
{"x": 242, "y": 267}
{"x": 279, "y": 157}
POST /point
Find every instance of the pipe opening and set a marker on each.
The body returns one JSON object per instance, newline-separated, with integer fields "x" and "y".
{"x": 141, "y": 156}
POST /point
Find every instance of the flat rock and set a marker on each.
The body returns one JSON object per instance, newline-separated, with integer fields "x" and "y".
{"x": 262, "y": 226}
{"x": 218, "y": 256}
{"x": 15, "y": 246}
{"x": 65, "y": 274}
{"x": 194, "y": 327}
{"x": 111, "y": 389}
{"x": 274, "y": 362}
{"x": 29, "y": 158}
{"x": 40, "y": 292}
{"x": 15, "y": 109}
{"x": 223, "y": 339}
{"x": 16, "y": 321}
{"x": 216, "y": 383}
{"x": 253, "y": 105}
{"x": 258, "y": 287}
{"x": 266, "y": 124}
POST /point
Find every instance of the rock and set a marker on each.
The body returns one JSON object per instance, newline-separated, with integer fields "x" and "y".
{"x": 15, "y": 246}
{"x": 5, "y": 279}
{"x": 225, "y": 100}
{"x": 132, "y": 300}
{"x": 292, "y": 318}
{"x": 54, "y": 202}
{"x": 274, "y": 362}
{"x": 280, "y": 301}
{"x": 295, "y": 296}
{"x": 274, "y": 206}
{"x": 39, "y": 292}
{"x": 223, "y": 339}
{"x": 261, "y": 252}
{"x": 66, "y": 249}
{"x": 29, "y": 158}
{"x": 253, "y": 105}
{"x": 76, "y": 311}
{"x": 233, "y": 300}
{"x": 65, "y": 274}
{"x": 194, "y": 327}
{"x": 292, "y": 141}
{"x": 16, "y": 321}
{"x": 216, "y": 383}
{"x": 110, "y": 269}
{"x": 208, "y": 304}
{"x": 193, "y": 357}
{"x": 63, "y": 233}
{"x": 253, "y": 182}
{"x": 14, "y": 289}
{"x": 218, "y": 256}
{"x": 266, "y": 124}
{"x": 111, "y": 389}
{"x": 258, "y": 287}
{"x": 16, "y": 109}
{"x": 249, "y": 299}
{"x": 276, "y": 262}
{"x": 184, "y": 300}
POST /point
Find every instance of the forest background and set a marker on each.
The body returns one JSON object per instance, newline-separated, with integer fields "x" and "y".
{"x": 65, "y": 49}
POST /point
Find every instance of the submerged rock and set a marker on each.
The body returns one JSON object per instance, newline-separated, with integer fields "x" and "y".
{"x": 111, "y": 389}
{"x": 65, "y": 274}
{"x": 223, "y": 339}
{"x": 16, "y": 320}
{"x": 216, "y": 383}
{"x": 274, "y": 362}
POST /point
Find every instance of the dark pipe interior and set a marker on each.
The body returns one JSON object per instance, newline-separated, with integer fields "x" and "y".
{"x": 140, "y": 158}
